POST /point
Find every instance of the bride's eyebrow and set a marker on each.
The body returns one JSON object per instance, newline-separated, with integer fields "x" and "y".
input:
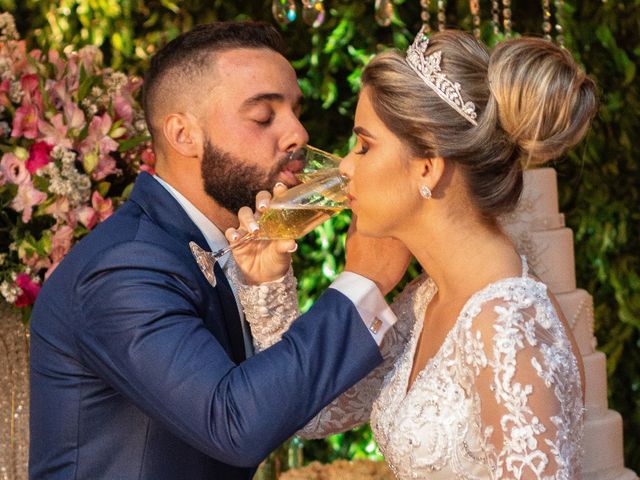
{"x": 363, "y": 132}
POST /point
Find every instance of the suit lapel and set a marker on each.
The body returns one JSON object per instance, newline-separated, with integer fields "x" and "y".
{"x": 171, "y": 217}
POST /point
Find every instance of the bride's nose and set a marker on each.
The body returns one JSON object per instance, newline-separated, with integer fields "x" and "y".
{"x": 346, "y": 165}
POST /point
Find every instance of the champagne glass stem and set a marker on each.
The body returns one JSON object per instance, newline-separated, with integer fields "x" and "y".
{"x": 223, "y": 251}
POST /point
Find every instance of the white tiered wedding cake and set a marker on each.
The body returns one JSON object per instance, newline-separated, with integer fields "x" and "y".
{"x": 539, "y": 231}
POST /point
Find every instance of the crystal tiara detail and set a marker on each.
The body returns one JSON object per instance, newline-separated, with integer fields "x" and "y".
{"x": 428, "y": 69}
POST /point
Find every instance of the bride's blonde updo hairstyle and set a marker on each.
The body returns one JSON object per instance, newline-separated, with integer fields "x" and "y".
{"x": 532, "y": 101}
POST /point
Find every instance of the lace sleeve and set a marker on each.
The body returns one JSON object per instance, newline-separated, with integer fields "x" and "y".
{"x": 269, "y": 308}
{"x": 528, "y": 389}
{"x": 353, "y": 407}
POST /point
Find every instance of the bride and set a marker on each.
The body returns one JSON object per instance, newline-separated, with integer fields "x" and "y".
{"x": 482, "y": 377}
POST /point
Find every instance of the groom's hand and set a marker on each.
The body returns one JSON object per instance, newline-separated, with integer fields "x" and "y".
{"x": 260, "y": 261}
{"x": 383, "y": 260}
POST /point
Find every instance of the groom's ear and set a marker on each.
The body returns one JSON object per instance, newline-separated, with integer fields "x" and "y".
{"x": 183, "y": 133}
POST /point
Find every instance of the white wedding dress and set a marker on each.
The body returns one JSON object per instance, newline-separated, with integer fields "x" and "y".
{"x": 500, "y": 399}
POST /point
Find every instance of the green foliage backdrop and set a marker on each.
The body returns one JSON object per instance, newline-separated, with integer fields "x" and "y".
{"x": 599, "y": 181}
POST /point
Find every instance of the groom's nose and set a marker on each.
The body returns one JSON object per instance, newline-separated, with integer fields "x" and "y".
{"x": 295, "y": 135}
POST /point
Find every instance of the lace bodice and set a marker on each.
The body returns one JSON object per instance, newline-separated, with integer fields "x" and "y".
{"x": 500, "y": 399}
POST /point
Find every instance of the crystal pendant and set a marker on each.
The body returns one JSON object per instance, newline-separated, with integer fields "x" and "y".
{"x": 284, "y": 11}
{"x": 313, "y": 12}
{"x": 384, "y": 12}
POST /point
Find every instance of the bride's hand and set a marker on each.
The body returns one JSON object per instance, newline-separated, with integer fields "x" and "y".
{"x": 260, "y": 261}
{"x": 382, "y": 260}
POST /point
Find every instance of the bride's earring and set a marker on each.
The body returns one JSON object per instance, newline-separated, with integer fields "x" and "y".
{"x": 425, "y": 192}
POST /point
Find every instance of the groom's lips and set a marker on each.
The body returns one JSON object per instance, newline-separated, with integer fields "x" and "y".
{"x": 288, "y": 178}
{"x": 288, "y": 173}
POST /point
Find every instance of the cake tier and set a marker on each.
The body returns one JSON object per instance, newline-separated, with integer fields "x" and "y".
{"x": 603, "y": 456}
{"x": 595, "y": 372}
{"x": 538, "y": 205}
{"x": 550, "y": 256}
{"x": 577, "y": 307}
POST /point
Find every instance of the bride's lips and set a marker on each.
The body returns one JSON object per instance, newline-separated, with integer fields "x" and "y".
{"x": 351, "y": 199}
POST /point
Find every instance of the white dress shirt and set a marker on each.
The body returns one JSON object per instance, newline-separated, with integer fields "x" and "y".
{"x": 364, "y": 293}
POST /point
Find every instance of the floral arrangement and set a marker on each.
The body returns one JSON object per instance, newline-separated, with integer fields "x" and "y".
{"x": 341, "y": 470}
{"x": 72, "y": 140}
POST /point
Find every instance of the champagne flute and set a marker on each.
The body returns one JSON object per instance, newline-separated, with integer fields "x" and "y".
{"x": 299, "y": 210}
{"x": 310, "y": 162}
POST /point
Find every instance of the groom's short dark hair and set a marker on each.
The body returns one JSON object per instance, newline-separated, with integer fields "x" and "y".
{"x": 187, "y": 56}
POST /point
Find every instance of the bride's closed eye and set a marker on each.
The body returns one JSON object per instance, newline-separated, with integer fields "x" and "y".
{"x": 363, "y": 149}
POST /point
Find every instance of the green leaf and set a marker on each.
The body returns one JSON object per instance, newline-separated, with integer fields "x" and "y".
{"x": 128, "y": 144}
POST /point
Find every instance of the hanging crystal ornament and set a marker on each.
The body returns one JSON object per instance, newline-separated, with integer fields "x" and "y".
{"x": 506, "y": 17}
{"x": 313, "y": 12}
{"x": 284, "y": 11}
{"x": 474, "y": 6}
{"x": 425, "y": 15}
{"x": 546, "y": 19}
{"x": 384, "y": 12}
{"x": 559, "y": 21}
{"x": 495, "y": 17}
{"x": 442, "y": 15}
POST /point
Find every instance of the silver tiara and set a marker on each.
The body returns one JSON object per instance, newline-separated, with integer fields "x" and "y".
{"x": 428, "y": 69}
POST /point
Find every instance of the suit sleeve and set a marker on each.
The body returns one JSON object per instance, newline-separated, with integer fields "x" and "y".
{"x": 144, "y": 336}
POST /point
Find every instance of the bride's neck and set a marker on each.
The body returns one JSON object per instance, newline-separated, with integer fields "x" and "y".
{"x": 461, "y": 259}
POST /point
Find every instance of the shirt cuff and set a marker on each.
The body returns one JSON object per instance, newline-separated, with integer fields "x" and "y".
{"x": 368, "y": 300}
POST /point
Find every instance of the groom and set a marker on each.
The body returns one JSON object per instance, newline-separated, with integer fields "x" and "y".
{"x": 141, "y": 365}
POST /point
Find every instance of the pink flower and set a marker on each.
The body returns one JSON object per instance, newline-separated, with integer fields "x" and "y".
{"x": 30, "y": 290}
{"x": 148, "y": 157}
{"x": 58, "y": 62}
{"x": 61, "y": 243}
{"x": 98, "y": 136}
{"x": 91, "y": 58}
{"x": 58, "y": 94}
{"x": 59, "y": 209}
{"x": 123, "y": 109}
{"x": 103, "y": 207}
{"x": 54, "y": 132}
{"x": 14, "y": 169}
{"x": 5, "y": 86}
{"x": 27, "y": 198}
{"x": 34, "y": 261}
{"x": 38, "y": 156}
{"x": 74, "y": 116}
{"x": 30, "y": 86}
{"x": 25, "y": 123}
{"x": 87, "y": 216}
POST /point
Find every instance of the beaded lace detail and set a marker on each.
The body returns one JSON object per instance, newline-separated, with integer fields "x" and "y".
{"x": 269, "y": 308}
{"x": 500, "y": 399}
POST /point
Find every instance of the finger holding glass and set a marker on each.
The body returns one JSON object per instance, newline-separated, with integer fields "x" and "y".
{"x": 287, "y": 216}
{"x": 259, "y": 261}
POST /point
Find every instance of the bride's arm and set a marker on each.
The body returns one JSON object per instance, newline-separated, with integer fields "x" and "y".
{"x": 530, "y": 400}
{"x": 271, "y": 308}
{"x": 353, "y": 407}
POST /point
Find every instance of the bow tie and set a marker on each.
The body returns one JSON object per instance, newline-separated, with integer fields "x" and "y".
{"x": 206, "y": 262}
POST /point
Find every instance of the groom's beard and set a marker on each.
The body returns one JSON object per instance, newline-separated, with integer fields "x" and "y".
{"x": 233, "y": 182}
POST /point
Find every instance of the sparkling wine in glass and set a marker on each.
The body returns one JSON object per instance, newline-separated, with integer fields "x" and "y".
{"x": 299, "y": 210}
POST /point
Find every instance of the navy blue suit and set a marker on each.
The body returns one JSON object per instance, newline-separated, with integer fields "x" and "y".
{"x": 132, "y": 359}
